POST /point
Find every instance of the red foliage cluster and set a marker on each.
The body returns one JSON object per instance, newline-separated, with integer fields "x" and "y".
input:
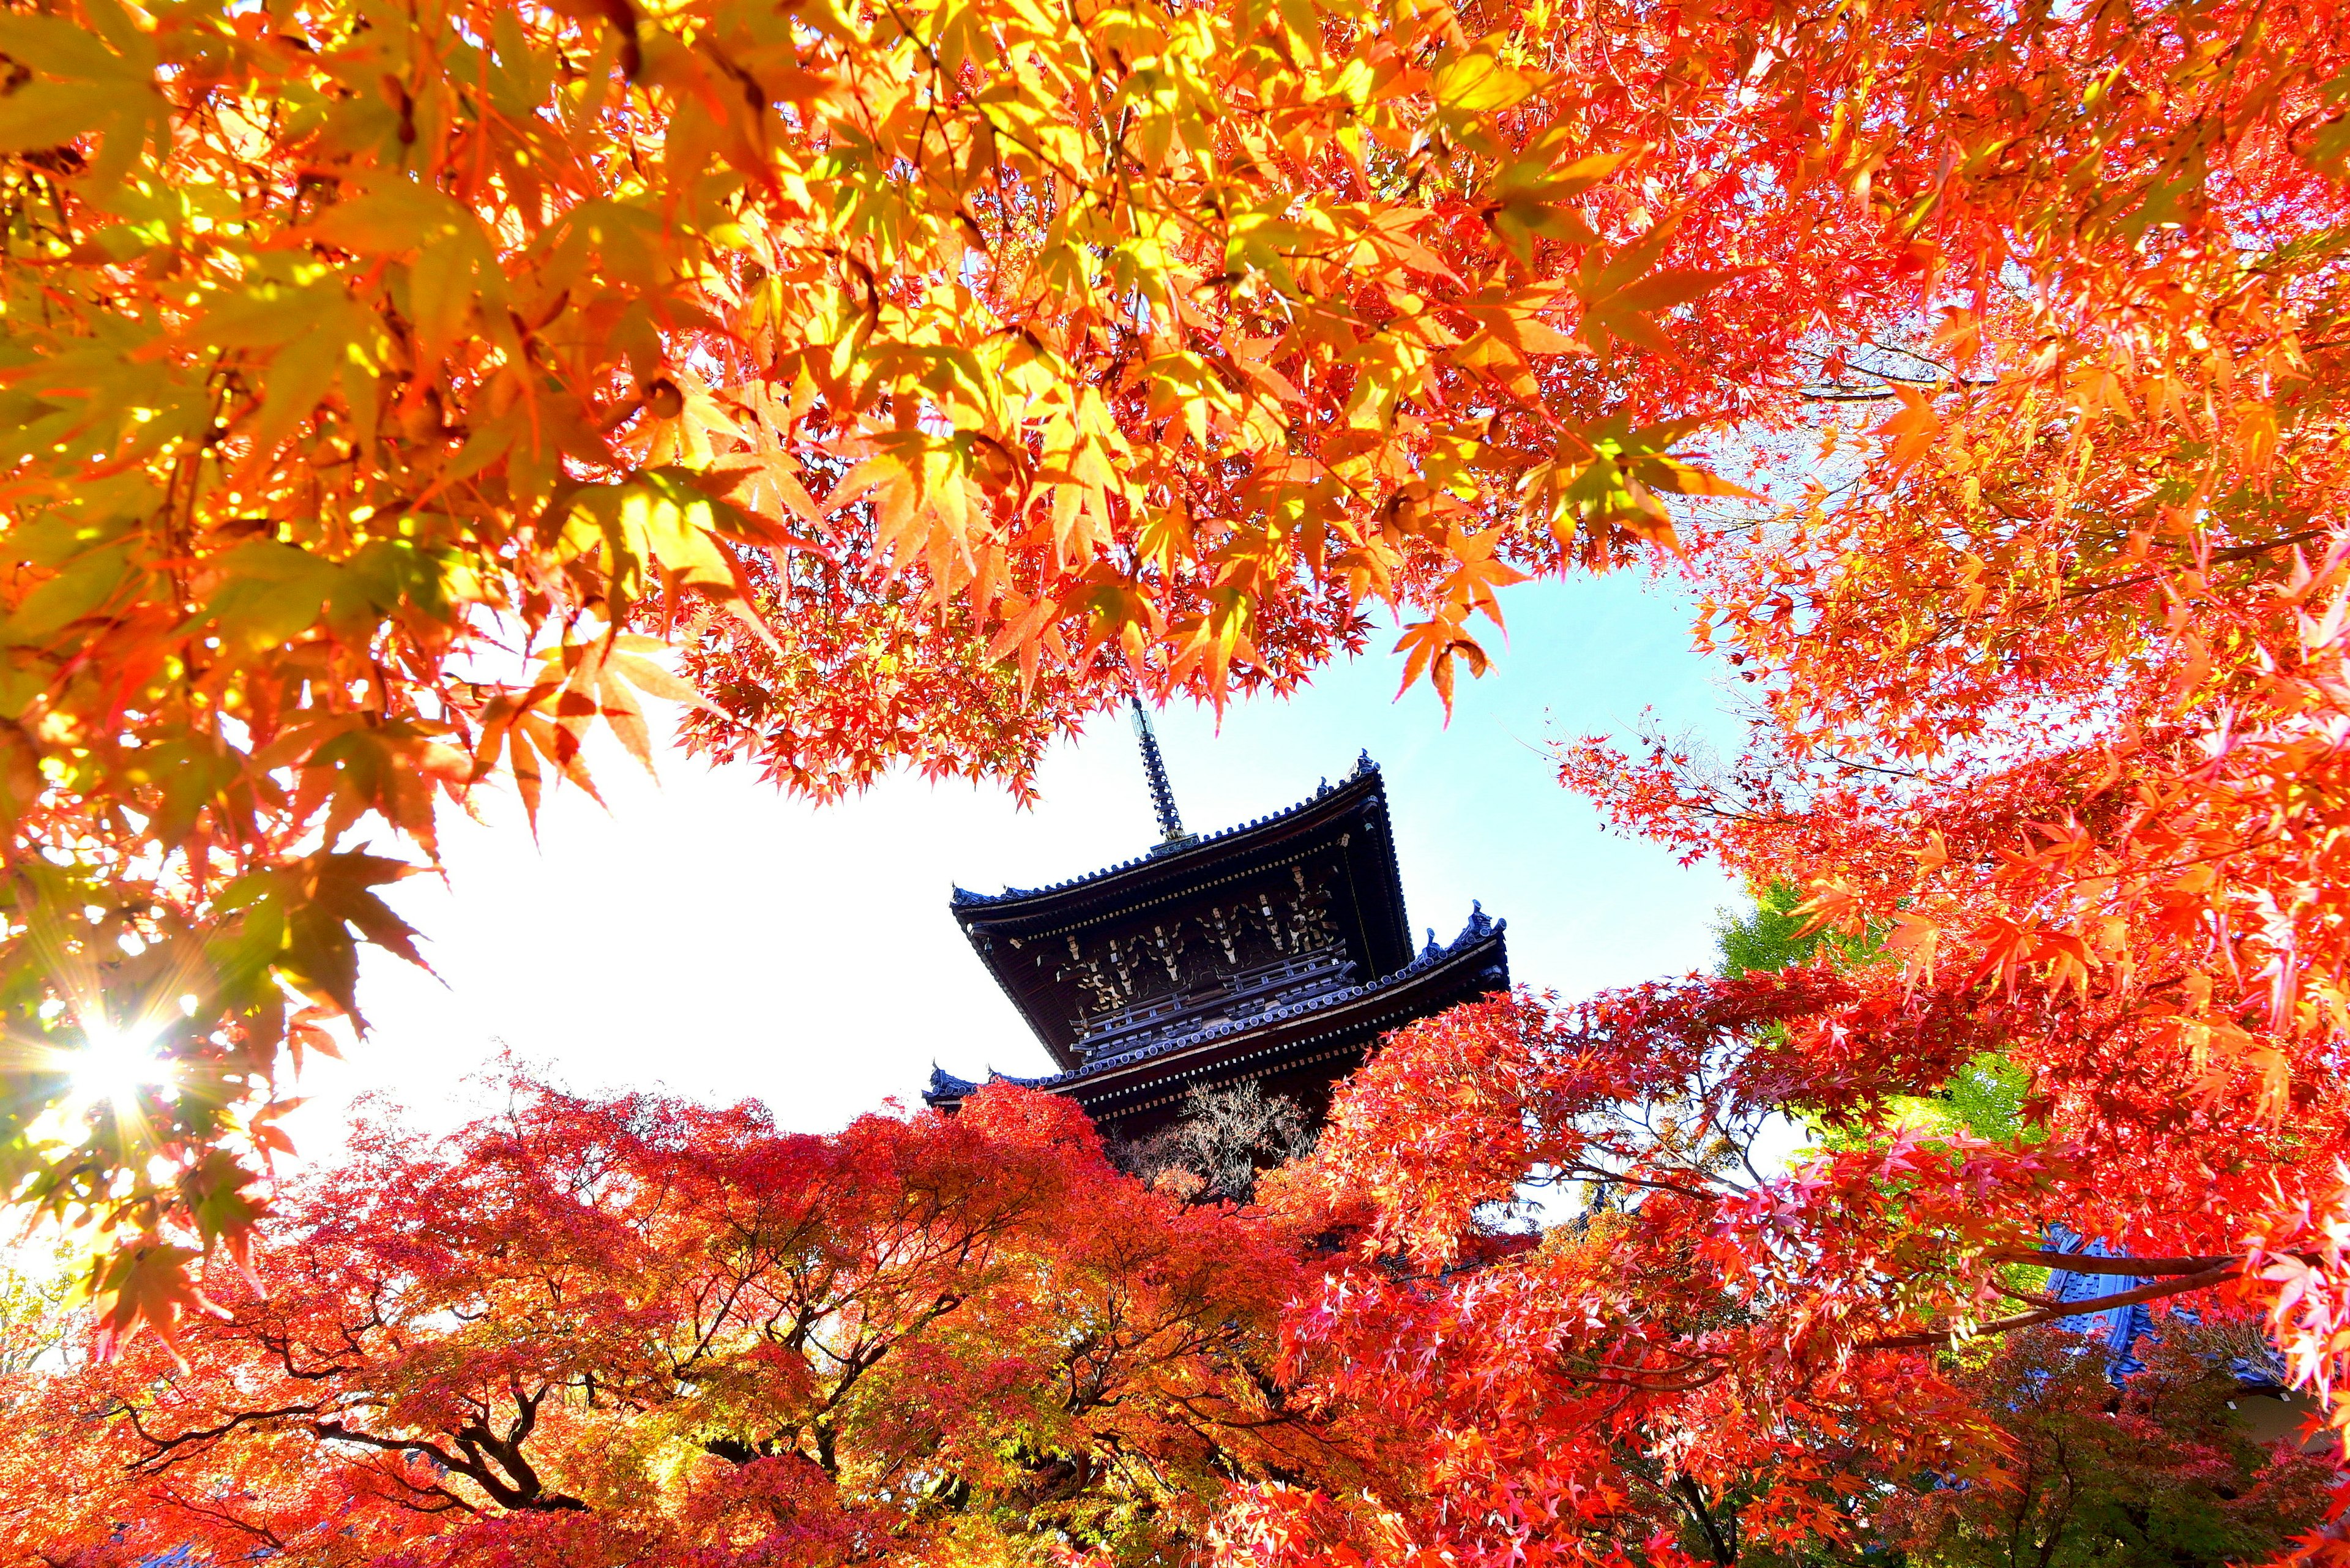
{"x": 383, "y": 388}
{"x": 641, "y": 1332}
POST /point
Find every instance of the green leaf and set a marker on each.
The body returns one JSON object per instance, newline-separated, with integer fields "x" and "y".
{"x": 299, "y": 376}
{"x": 63, "y": 48}
{"x": 66, "y": 597}
{"x": 269, "y": 592}
{"x": 49, "y": 114}
{"x": 1536, "y": 179}
{"x": 58, "y": 538}
{"x": 660, "y": 519}
{"x": 218, "y": 1203}
{"x": 383, "y": 577}
{"x": 264, "y": 314}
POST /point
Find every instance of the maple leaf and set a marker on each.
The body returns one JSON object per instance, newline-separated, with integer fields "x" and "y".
{"x": 146, "y": 1291}
{"x": 1429, "y": 647}
{"x": 369, "y": 386}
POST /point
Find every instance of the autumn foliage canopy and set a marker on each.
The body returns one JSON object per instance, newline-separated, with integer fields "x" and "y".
{"x": 392, "y": 398}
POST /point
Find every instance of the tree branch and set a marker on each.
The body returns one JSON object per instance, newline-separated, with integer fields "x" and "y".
{"x": 2232, "y": 553}
{"x": 1930, "y": 1338}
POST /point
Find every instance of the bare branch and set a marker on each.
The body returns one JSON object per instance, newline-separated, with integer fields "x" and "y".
{"x": 1932, "y": 1339}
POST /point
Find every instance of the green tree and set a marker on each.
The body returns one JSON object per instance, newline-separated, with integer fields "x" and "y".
{"x": 2157, "y": 1471}
{"x": 1985, "y": 1097}
{"x": 1770, "y": 936}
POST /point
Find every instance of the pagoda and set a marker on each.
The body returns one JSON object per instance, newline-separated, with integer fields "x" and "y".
{"x": 1277, "y": 951}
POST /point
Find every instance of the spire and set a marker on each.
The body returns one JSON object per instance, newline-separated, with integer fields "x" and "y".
{"x": 1163, "y": 793}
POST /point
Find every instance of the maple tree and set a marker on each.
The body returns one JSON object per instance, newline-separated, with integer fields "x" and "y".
{"x": 2161, "y": 1469}
{"x": 2048, "y": 686}
{"x": 387, "y": 390}
{"x": 1742, "y": 1355}
{"x": 638, "y": 1331}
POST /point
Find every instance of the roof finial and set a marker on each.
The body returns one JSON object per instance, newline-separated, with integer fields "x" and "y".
{"x": 1163, "y": 793}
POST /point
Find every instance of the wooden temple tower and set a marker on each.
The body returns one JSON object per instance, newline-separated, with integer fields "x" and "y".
{"x": 1277, "y": 950}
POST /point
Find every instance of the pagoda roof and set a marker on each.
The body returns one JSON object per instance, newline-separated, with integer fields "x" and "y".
{"x": 1117, "y": 883}
{"x": 1349, "y": 817}
{"x": 1474, "y": 962}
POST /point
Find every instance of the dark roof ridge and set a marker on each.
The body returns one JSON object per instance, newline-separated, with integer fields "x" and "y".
{"x": 964, "y": 898}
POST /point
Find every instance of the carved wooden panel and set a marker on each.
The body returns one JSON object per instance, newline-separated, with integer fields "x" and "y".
{"x": 1225, "y": 957}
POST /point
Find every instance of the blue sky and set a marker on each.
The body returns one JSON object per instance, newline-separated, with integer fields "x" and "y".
{"x": 711, "y": 937}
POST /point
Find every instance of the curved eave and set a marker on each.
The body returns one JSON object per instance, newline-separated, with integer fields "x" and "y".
{"x": 1355, "y": 1016}
{"x": 1358, "y": 1016}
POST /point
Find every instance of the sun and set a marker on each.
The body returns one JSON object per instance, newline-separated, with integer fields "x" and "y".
{"x": 114, "y": 1064}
